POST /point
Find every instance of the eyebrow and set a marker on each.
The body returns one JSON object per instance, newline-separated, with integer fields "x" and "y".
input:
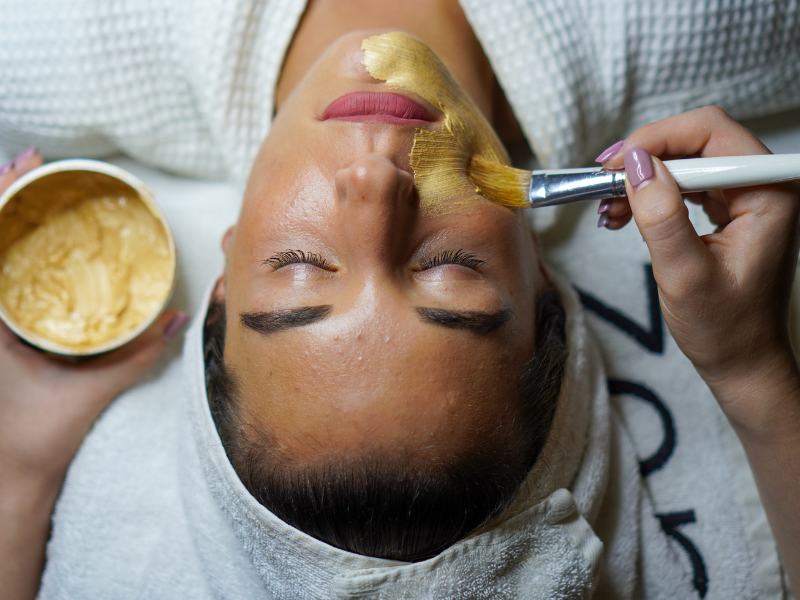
{"x": 280, "y": 320}
{"x": 477, "y": 321}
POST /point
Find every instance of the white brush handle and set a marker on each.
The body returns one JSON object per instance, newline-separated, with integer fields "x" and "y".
{"x": 563, "y": 186}
{"x": 702, "y": 174}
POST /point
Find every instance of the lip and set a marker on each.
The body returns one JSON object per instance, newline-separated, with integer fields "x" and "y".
{"x": 378, "y": 107}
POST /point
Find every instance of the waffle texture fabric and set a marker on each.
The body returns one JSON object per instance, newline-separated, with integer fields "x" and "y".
{"x": 184, "y": 86}
{"x": 189, "y": 87}
{"x": 581, "y": 74}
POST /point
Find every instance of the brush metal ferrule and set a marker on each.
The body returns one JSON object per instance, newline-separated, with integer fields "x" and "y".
{"x": 574, "y": 185}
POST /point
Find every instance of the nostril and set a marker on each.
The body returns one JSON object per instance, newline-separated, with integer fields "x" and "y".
{"x": 407, "y": 183}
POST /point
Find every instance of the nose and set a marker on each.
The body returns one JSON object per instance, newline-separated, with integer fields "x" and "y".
{"x": 377, "y": 203}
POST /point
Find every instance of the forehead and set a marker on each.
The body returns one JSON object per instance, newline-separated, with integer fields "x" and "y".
{"x": 383, "y": 381}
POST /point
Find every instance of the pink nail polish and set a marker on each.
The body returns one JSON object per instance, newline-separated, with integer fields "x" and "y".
{"x": 29, "y": 153}
{"x": 609, "y": 152}
{"x": 638, "y": 166}
{"x": 6, "y": 168}
{"x": 604, "y": 206}
{"x": 178, "y": 322}
{"x": 603, "y": 221}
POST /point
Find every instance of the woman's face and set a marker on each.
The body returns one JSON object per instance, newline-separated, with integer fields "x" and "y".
{"x": 354, "y": 320}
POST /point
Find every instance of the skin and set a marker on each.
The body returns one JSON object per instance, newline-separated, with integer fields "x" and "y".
{"x": 373, "y": 373}
{"x": 439, "y": 23}
{"x": 724, "y": 298}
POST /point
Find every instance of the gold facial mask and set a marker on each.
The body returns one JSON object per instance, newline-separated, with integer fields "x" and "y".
{"x": 440, "y": 159}
{"x": 84, "y": 260}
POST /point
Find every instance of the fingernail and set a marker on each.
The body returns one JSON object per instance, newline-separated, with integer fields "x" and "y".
{"x": 178, "y": 322}
{"x": 604, "y": 206}
{"x": 603, "y": 221}
{"x": 29, "y": 153}
{"x": 609, "y": 152}
{"x": 638, "y": 166}
{"x": 6, "y": 168}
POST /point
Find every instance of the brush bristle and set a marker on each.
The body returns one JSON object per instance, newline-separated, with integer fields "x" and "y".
{"x": 503, "y": 185}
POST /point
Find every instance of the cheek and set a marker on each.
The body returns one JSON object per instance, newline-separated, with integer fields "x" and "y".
{"x": 278, "y": 213}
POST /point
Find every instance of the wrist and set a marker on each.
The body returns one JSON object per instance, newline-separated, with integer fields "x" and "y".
{"x": 761, "y": 399}
{"x": 26, "y": 493}
{"x": 26, "y": 508}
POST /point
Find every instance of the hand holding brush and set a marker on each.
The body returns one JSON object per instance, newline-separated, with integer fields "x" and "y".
{"x": 725, "y": 296}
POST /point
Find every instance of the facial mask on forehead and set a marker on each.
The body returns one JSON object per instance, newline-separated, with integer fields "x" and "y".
{"x": 439, "y": 158}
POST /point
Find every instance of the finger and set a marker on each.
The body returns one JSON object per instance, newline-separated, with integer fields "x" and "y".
{"x": 717, "y": 211}
{"x": 104, "y": 378}
{"x": 12, "y": 345}
{"x": 7, "y": 176}
{"x": 7, "y": 337}
{"x": 121, "y": 368}
{"x": 19, "y": 165}
{"x": 695, "y": 197}
{"x": 707, "y": 131}
{"x": 661, "y": 215}
{"x": 614, "y": 213}
{"x": 616, "y": 222}
{"x": 153, "y": 340}
{"x": 763, "y": 226}
{"x": 614, "y": 207}
{"x": 27, "y": 161}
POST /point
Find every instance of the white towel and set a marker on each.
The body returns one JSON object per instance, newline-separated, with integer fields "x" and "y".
{"x": 189, "y": 86}
{"x": 152, "y": 508}
{"x": 582, "y": 74}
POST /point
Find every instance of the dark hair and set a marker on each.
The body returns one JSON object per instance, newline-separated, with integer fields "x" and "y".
{"x": 390, "y": 506}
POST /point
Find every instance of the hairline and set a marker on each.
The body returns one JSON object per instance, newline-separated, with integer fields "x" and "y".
{"x": 229, "y": 419}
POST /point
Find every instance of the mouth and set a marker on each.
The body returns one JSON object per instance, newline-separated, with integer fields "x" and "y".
{"x": 375, "y": 107}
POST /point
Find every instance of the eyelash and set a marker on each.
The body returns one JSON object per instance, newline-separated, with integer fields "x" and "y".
{"x": 448, "y": 257}
{"x": 452, "y": 257}
{"x": 290, "y": 257}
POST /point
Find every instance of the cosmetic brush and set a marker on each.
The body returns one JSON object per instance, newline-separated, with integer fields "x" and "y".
{"x": 518, "y": 188}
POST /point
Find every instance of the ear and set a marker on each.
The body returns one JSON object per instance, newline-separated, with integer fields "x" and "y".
{"x": 537, "y": 246}
{"x": 219, "y": 290}
{"x": 226, "y": 239}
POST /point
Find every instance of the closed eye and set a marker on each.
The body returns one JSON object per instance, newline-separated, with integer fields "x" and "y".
{"x": 452, "y": 257}
{"x": 290, "y": 257}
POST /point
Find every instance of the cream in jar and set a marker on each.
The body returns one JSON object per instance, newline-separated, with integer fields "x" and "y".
{"x": 83, "y": 260}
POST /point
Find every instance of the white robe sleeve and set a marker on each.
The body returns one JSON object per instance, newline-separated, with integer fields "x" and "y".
{"x": 582, "y": 74}
{"x": 185, "y": 86}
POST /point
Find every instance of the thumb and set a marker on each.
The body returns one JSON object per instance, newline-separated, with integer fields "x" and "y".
{"x": 121, "y": 368}
{"x": 661, "y": 215}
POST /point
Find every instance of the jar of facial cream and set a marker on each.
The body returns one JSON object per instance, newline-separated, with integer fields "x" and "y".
{"x": 87, "y": 259}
